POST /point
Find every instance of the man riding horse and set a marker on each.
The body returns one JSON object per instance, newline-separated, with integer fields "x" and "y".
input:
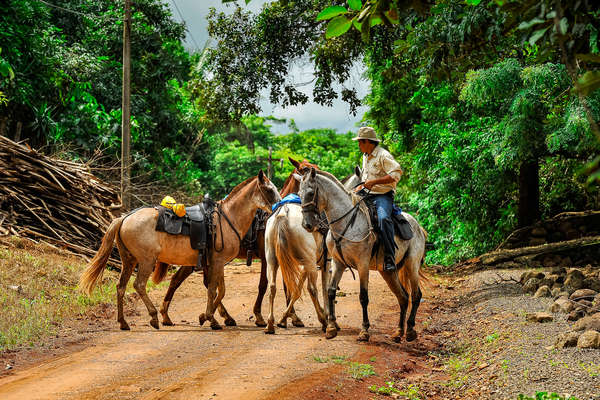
{"x": 380, "y": 174}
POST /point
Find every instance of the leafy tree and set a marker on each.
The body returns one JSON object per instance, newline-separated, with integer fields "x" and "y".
{"x": 522, "y": 99}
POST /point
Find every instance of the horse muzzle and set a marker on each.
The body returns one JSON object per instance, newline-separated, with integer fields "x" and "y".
{"x": 308, "y": 226}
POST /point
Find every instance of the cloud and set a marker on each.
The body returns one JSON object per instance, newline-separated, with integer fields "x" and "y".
{"x": 308, "y": 116}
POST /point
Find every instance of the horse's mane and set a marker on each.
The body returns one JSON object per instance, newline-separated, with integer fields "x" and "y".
{"x": 346, "y": 178}
{"x": 239, "y": 188}
{"x": 287, "y": 181}
{"x": 333, "y": 178}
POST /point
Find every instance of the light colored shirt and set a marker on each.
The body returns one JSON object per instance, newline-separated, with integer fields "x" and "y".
{"x": 379, "y": 164}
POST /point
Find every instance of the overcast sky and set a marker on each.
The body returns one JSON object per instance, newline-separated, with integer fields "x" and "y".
{"x": 310, "y": 115}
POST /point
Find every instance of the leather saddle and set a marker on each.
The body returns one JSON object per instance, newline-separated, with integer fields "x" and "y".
{"x": 196, "y": 223}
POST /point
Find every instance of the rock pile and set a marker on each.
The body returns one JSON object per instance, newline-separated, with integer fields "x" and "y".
{"x": 576, "y": 292}
{"x": 562, "y": 227}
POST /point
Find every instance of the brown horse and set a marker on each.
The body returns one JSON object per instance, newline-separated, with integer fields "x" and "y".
{"x": 139, "y": 243}
{"x": 289, "y": 186}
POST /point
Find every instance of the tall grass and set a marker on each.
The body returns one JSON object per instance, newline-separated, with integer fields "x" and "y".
{"x": 38, "y": 290}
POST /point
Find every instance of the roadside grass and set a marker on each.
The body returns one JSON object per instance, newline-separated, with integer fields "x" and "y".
{"x": 355, "y": 369}
{"x": 38, "y": 290}
{"x": 546, "y": 396}
{"x": 360, "y": 371}
{"x": 412, "y": 392}
{"x": 592, "y": 369}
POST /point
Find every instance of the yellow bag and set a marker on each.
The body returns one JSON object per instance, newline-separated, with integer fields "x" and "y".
{"x": 179, "y": 209}
{"x": 168, "y": 202}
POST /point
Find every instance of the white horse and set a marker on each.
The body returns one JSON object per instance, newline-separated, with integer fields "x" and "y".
{"x": 289, "y": 246}
{"x": 350, "y": 227}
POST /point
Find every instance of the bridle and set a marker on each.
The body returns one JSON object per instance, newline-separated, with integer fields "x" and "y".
{"x": 312, "y": 206}
{"x": 220, "y": 213}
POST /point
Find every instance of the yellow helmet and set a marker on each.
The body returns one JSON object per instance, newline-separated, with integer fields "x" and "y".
{"x": 168, "y": 202}
{"x": 179, "y": 209}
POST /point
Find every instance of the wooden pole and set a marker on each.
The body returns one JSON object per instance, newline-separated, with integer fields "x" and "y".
{"x": 270, "y": 163}
{"x": 18, "y": 132}
{"x": 126, "y": 114}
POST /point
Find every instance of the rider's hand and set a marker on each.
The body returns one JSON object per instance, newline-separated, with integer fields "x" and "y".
{"x": 368, "y": 185}
{"x": 358, "y": 188}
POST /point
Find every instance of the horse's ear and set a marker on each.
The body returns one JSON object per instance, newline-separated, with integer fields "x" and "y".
{"x": 261, "y": 176}
{"x": 295, "y": 163}
{"x": 313, "y": 172}
{"x": 357, "y": 171}
{"x": 297, "y": 177}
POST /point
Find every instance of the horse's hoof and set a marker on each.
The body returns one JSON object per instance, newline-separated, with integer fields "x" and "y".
{"x": 363, "y": 336}
{"x": 411, "y": 335}
{"x": 154, "y": 323}
{"x": 397, "y": 336}
{"x": 230, "y": 322}
{"x": 216, "y": 327}
{"x": 330, "y": 332}
{"x": 324, "y": 328}
{"x": 337, "y": 326}
{"x": 282, "y": 324}
{"x": 260, "y": 321}
{"x": 270, "y": 330}
{"x": 298, "y": 323}
{"x": 167, "y": 321}
{"x": 202, "y": 319}
{"x": 125, "y": 327}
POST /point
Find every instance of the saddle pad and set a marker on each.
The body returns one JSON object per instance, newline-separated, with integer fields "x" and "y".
{"x": 402, "y": 227}
{"x": 290, "y": 198}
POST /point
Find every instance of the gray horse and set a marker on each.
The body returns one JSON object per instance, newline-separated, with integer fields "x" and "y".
{"x": 350, "y": 227}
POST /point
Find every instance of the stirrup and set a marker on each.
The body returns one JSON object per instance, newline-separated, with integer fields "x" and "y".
{"x": 388, "y": 265}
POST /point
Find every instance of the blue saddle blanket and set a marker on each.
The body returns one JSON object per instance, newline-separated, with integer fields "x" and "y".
{"x": 294, "y": 198}
{"x": 290, "y": 198}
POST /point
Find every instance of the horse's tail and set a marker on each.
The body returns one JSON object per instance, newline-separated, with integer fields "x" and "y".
{"x": 93, "y": 272}
{"x": 160, "y": 271}
{"x": 405, "y": 274}
{"x": 290, "y": 268}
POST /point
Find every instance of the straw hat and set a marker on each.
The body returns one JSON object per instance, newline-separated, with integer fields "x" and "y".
{"x": 366, "y": 132}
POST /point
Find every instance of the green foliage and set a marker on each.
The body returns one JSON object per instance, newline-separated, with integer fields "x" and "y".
{"x": 360, "y": 371}
{"x": 545, "y": 396}
{"x": 233, "y": 162}
{"x": 331, "y": 12}
{"x": 386, "y": 390}
{"x": 461, "y": 155}
{"x": 66, "y": 86}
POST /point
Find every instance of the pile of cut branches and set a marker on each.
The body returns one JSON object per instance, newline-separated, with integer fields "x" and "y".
{"x": 56, "y": 201}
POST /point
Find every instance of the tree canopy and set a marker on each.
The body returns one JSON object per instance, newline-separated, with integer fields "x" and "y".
{"x": 490, "y": 107}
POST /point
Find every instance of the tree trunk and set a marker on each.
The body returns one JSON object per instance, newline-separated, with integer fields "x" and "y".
{"x": 529, "y": 192}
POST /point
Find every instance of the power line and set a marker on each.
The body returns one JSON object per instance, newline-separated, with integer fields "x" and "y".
{"x": 67, "y": 10}
{"x": 182, "y": 19}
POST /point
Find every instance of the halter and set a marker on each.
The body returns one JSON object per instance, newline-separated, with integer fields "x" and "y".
{"x": 312, "y": 206}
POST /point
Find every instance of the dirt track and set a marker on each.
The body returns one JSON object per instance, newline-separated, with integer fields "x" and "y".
{"x": 187, "y": 361}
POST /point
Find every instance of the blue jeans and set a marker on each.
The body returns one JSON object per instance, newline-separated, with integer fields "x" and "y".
{"x": 384, "y": 205}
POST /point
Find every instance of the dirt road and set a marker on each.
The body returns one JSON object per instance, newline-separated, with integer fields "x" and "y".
{"x": 187, "y": 361}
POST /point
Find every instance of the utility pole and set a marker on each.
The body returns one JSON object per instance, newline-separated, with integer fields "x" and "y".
{"x": 126, "y": 112}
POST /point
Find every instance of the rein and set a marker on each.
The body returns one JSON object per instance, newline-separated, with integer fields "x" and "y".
{"x": 311, "y": 206}
{"x": 221, "y": 213}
